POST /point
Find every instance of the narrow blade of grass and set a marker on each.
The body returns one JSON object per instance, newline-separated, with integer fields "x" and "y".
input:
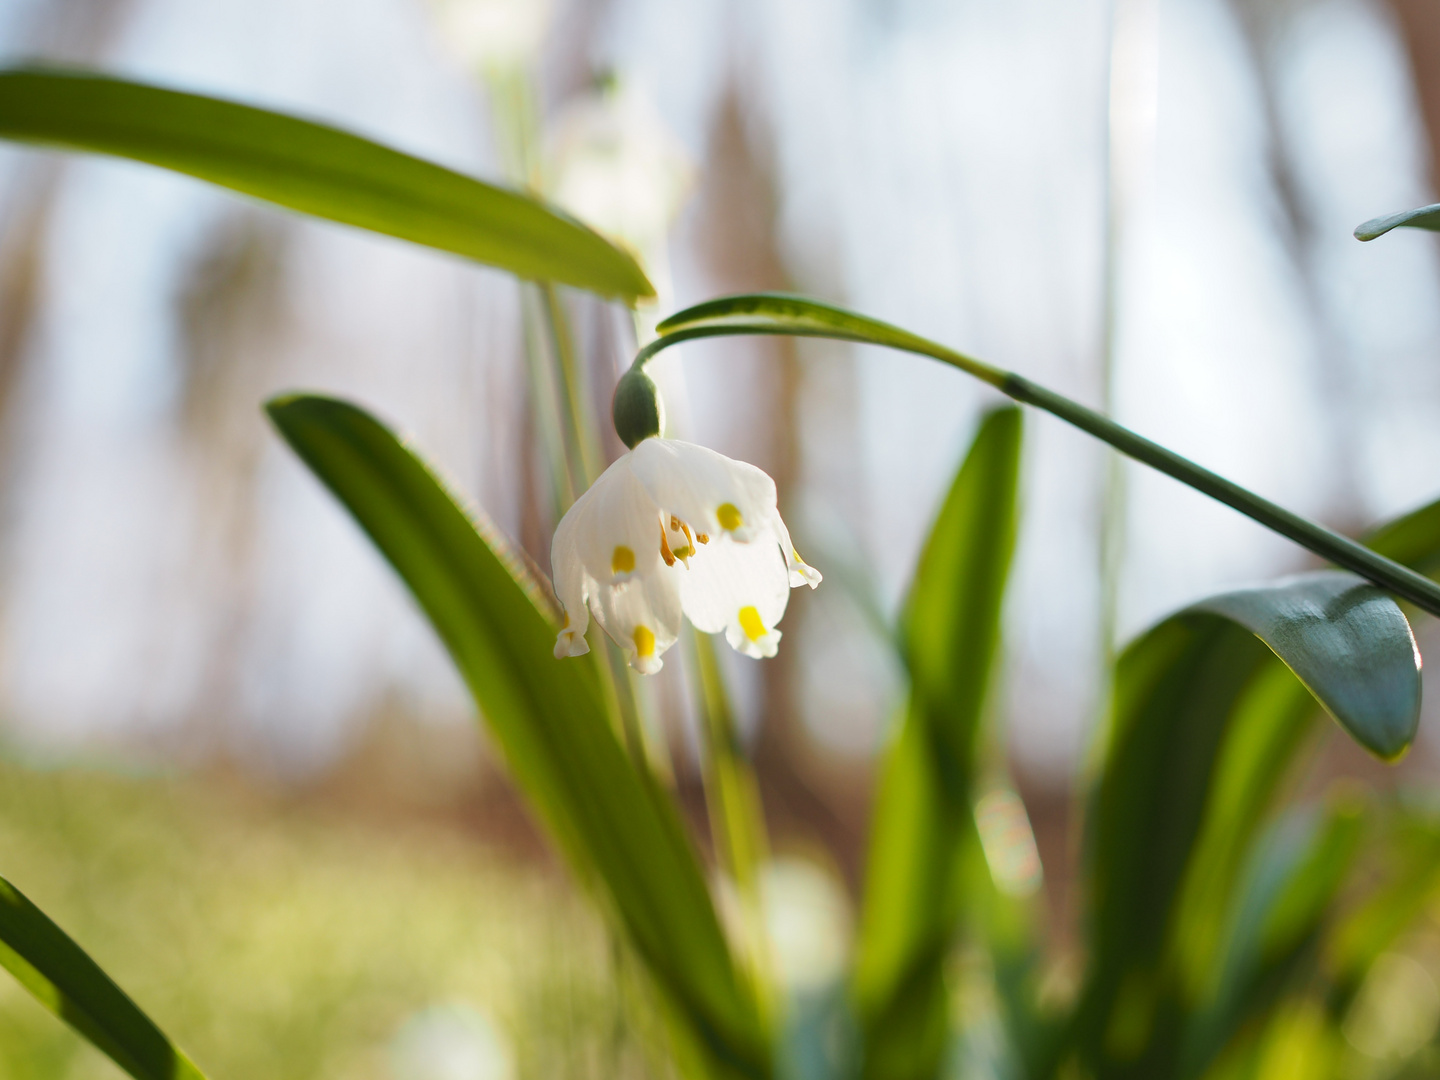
{"x": 64, "y": 979}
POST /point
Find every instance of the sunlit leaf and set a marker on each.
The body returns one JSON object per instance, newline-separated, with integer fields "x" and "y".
{"x": 1422, "y": 217}
{"x": 317, "y": 170}
{"x": 1406, "y": 881}
{"x": 923, "y": 811}
{"x": 547, "y": 715}
{"x": 64, "y": 979}
{"x": 1273, "y": 938}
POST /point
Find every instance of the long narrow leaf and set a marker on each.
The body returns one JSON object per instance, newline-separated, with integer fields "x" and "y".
{"x": 770, "y": 313}
{"x": 317, "y": 170}
{"x": 548, "y": 717}
{"x": 64, "y": 979}
{"x": 924, "y": 806}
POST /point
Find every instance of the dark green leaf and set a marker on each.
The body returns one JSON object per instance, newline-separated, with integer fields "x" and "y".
{"x": 1270, "y": 721}
{"x": 924, "y": 806}
{"x": 548, "y": 717}
{"x": 1423, "y": 217}
{"x": 1348, "y": 643}
{"x": 317, "y": 170}
{"x": 66, "y": 981}
{"x": 1179, "y": 690}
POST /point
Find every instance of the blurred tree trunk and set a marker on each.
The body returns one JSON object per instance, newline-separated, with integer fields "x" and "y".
{"x": 1419, "y": 22}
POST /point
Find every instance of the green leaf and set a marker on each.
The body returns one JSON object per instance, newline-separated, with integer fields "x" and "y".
{"x": 772, "y": 313}
{"x": 1273, "y": 940}
{"x": 1404, "y": 882}
{"x": 1176, "y": 696}
{"x": 64, "y": 979}
{"x": 1271, "y": 720}
{"x": 1422, "y": 217}
{"x": 923, "y": 811}
{"x": 317, "y": 170}
{"x": 548, "y": 716}
{"x": 1348, "y": 643}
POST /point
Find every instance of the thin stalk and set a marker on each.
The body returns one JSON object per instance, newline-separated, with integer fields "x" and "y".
{"x": 586, "y": 460}
{"x": 570, "y": 444}
{"x": 548, "y": 419}
{"x": 738, "y": 315}
{"x": 732, "y": 799}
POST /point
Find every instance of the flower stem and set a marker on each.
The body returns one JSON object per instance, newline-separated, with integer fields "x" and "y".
{"x": 733, "y": 803}
{"x": 792, "y": 315}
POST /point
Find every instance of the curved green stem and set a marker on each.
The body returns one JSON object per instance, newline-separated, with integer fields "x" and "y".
{"x": 769, "y": 313}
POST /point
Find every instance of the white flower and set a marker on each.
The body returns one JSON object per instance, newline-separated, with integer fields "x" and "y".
{"x": 494, "y": 35}
{"x": 674, "y": 528}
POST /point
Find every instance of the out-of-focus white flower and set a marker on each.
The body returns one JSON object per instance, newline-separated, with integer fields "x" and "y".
{"x": 616, "y": 166}
{"x": 807, "y": 921}
{"x": 673, "y": 528}
{"x": 493, "y": 35}
{"x": 453, "y": 1041}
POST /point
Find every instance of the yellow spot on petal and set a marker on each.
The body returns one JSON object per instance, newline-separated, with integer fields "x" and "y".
{"x": 622, "y": 560}
{"x": 751, "y": 624}
{"x": 729, "y": 517}
{"x": 645, "y": 641}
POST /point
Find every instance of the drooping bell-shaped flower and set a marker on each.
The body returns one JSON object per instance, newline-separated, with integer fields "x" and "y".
{"x": 672, "y": 528}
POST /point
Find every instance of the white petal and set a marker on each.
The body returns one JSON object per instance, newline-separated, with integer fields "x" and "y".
{"x": 739, "y": 588}
{"x": 801, "y": 573}
{"x": 712, "y": 493}
{"x": 642, "y": 615}
{"x": 571, "y": 583}
{"x": 617, "y": 526}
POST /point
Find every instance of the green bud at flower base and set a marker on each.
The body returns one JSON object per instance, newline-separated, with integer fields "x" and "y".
{"x": 637, "y": 409}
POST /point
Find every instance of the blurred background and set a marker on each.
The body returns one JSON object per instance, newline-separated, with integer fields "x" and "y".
{"x": 230, "y": 744}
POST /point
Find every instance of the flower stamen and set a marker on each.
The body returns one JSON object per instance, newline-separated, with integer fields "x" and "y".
{"x": 702, "y": 538}
{"x": 665, "y": 552}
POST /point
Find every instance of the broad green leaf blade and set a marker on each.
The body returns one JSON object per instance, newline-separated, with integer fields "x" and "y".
{"x": 1176, "y": 694}
{"x": 1348, "y": 643}
{"x": 316, "y": 170}
{"x": 548, "y": 717}
{"x": 923, "y": 812}
{"x": 1423, "y": 217}
{"x": 64, "y": 979}
{"x": 772, "y": 313}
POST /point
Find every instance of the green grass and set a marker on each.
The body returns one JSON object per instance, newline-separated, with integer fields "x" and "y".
{"x": 294, "y": 943}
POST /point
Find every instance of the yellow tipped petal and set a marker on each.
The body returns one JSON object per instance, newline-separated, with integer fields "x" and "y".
{"x": 622, "y": 560}
{"x": 751, "y": 624}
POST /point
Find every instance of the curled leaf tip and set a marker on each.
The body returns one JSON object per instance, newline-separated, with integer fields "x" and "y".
{"x": 1422, "y": 217}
